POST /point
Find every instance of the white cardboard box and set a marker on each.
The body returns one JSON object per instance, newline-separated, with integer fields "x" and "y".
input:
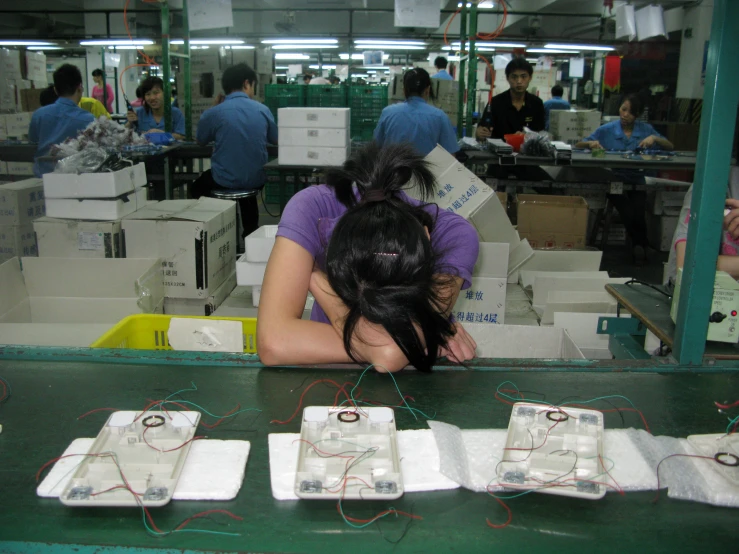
{"x": 17, "y": 124}
{"x": 260, "y": 243}
{"x": 483, "y": 302}
{"x": 297, "y": 136}
{"x": 528, "y": 278}
{"x": 256, "y": 294}
{"x": 576, "y": 302}
{"x": 52, "y": 334}
{"x": 238, "y": 304}
{"x": 492, "y": 261}
{"x": 59, "y": 290}
{"x": 36, "y": 67}
{"x": 195, "y": 238}
{"x": 20, "y": 169}
{"x": 206, "y": 307}
{"x": 74, "y": 238}
{"x": 249, "y": 274}
{"x": 95, "y": 185}
{"x": 98, "y": 209}
{"x": 17, "y": 241}
{"x": 543, "y": 285}
{"x": 523, "y": 341}
{"x": 583, "y": 330}
{"x": 326, "y": 118}
{"x": 311, "y": 155}
{"x": 21, "y": 202}
{"x": 564, "y": 260}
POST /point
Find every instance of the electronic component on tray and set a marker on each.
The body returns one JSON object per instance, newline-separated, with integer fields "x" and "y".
{"x": 348, "y": 453}
{"x": 555, "y": 451}
{"x": 724, "y": 449}
{"x": 148, "y": 450}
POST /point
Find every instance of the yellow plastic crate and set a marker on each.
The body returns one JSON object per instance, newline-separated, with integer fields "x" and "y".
{"x": 149, "y": 332}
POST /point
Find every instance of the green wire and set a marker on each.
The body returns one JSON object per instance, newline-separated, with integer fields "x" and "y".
{"x": 513, "y": 398}
{"x": 406, "y": 407}
{"x": 194, "y": 388}
{"x": 163, "y": 402}
{"x": 363, "y": 525}
{"x": 731, "y": 424}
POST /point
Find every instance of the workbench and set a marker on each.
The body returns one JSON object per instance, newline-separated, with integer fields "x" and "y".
{"x": 39, "y": 421}
{"x": 682, "y": 160}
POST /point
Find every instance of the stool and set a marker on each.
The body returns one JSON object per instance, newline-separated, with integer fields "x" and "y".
{"x": 235, "y": 195}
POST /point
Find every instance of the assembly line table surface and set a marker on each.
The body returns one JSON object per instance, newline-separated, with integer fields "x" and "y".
{"x": 40, "y": 421}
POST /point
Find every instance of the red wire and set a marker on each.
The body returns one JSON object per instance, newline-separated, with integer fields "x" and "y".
{"x": 207, "y": 513}
{"x": 302, "y": 396}
{"x": 618, "y": 487}
{"x": 5, "y": 390}
{"x": 656, "y": 496}
{"x": 83, "y": 416}
{"x": 507, "y": 509}
{"x": 727, "y": 406}
{"x": 217, "y": 423}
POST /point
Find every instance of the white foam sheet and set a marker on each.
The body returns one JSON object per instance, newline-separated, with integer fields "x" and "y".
{"x": 214, "y": 470}
{"x": 419, "y": 463}
{"x": 470, "y": 457}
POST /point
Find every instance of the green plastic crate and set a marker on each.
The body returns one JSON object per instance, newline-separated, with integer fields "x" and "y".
{"x": 284, "y": 96}
{"x": 272, "y": 191}
{"x": 327, "y": 96}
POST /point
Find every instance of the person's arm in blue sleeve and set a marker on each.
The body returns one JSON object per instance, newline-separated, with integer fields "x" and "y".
{"x": 178, "y": 124}
{"x": 655, "y": 140}
{"x": 271, "y": 127}
{"x": 448, "y": 139}
{"x": 592, "y": 141}
{"x": 33, "y": 128}
{"x": 379, "y": 134}
{"x": 206, "y": 128}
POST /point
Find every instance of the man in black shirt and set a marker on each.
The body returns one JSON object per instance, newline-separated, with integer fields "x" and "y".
{"x": 508, "y": 112}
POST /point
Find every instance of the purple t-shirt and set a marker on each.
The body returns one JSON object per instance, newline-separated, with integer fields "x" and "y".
{"x": 311, "y": 215}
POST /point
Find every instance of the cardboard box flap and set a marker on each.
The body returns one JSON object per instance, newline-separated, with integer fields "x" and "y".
{"x": 22, "y": 185}
{"x": 204, "y": 209}
{"x": 13, "y": 289}
{"x": 522, "y": 341}
{"x": 92, "y": 278}
{"x": 564, "y": 260}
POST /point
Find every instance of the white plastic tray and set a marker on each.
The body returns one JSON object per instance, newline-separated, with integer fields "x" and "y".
{"x": 725, "y": 450}
{"x": 149, "y": 469}
{"x": 554, "y": 451}
{"x": 348, "y": 454}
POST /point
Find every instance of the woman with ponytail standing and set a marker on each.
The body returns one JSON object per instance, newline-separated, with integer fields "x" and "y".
{"x": 385, "y": 270}
{"x": 414, "y": 121}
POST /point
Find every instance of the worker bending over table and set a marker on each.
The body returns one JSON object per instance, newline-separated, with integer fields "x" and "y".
{"x": 628, "y": 134}
{"x": 385, "y": 270}
{"x": 55, "y": 123}
{"x": 149, "y": 118}
{"x": 414, "y": 121}
{"x": 241, "y": 128}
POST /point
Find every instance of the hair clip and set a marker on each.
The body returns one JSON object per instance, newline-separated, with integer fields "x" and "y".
{"x": 386, "y": 253}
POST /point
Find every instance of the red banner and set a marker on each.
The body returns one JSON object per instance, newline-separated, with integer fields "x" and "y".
{"x": 612, "y": 73}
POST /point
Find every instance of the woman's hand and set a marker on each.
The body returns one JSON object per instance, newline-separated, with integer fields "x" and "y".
{"x": 593, "y": 144}
{"x": 460, "y": 347}
{"x": 648, "y": 142}
{"x": 132, "y": 117}
{"x": 483, "y": 133}
{"x": 154, "y": 131}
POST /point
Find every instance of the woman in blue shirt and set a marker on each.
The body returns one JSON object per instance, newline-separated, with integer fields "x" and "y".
{"x": 149, "y": 118}
{"x": 414, "y": 121}
{"x": 627, "y": 133}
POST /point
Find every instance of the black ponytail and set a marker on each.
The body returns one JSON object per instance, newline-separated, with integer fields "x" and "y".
{"x": 380, "y": 260}
{"x": 416, "y": 81}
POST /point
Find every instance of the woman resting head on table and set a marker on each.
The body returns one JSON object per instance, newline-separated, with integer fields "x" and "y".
{"x": 728, "y": 258}
{"x": 385, "y": 270}
{"x": 627, "y": 133}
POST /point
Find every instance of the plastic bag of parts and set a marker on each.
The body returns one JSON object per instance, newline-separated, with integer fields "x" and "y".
{"x": 87, "y": 161}
{"x": 538, "y": 144}
{"x": 470, "y": 143}
{"x": 101, "y": 133}
{"x": 161, "y": 139}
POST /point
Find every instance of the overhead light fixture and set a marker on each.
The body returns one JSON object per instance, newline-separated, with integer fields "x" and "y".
{"x": 128, "y": 47}
{"x": 579, "y": 47}
{"x": 209, "y": 41}
{"x": 200, "y": 47}
{"x": 241, "y": 47}
{"x": 389, "y": 47}
{"x": 138, "y": 42}
{"x": 322, "y": 67}
{"x": 345, "y": 56}
{"x": 486, "y": 5}
{"x": 300, "y": 41}
{"x": 379, "y": 42}
{"x": 550, "y": 51}
{"x": 45, "y": 48}
{"x": 25, "y": 43}
{"x": 292, "y": 56}
{"x": 281, "y": 67}
{"x": 305, "y": 46}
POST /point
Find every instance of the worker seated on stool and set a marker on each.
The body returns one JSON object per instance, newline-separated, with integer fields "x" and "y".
{"x": 241, "y": 128}
{"x": 728, "y": 259}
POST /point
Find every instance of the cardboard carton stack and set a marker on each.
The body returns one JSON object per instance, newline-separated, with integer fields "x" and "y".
{"x": 553, "y": 221}
{"x": 196, "y": 240}
{"x": 445, "y": 97}
{"x": 485, "y": 300}
{"x": 314, "y": 136}
{"x": 84, "y": 212}
{"x": 572, "y": 126}
{"x": 21, "y": 203}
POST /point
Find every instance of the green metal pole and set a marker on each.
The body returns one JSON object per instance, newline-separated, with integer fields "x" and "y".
{"x": 710, "y": 184}
{"x": 187, "y": 85}
{"x": 462, "y": 68}
{"x": 472, "y": 71}
{"x": 166, "y": 69}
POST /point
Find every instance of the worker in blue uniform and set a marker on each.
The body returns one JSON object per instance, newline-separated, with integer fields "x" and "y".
{"x": 414, "y": 121}
{"x": 63, "y": 119}
{"x": 556, "y": 102}
{"x": 149, "y": 118}
{"x": 241, "y": 129}
{"x": 440, "y": 64}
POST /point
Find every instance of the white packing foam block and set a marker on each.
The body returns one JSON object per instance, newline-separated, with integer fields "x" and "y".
{"x": 259, "y": 244}
{"x": 213, "y": 470}
{"x": 419, "y": 462}
{"x": 314, "y": 118}
{"x": 249, "y": 274}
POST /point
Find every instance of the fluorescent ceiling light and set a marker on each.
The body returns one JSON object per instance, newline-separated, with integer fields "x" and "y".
{"x": 200, "y": 47}
{"x": 390, "y": 42}
{"x": 303, "y": 46}
{"x": 322, "y": 67}
{"x": 280, "y": 67}
{"x": 374, "y": 67}
{"x": 209, "y": 41}
{"x": 488, "y": 44}
{"x": 389, "y": 47}
{"x": 486, "y": 5}
{"x": 550, "y": 51}
{"x": 137, "y": 42}
{"x": 300, "y": 41}
{"x": 360, "y": 75}
{"x": 292, "y": 56}
{"x": 579, "y": 47}
{"x": 25, "y": 43}
{"x": 130, "y": 47}
{"x": 45, "y": 48}
{"x": 241, "y": 47}
{"x": 345, "y": 56}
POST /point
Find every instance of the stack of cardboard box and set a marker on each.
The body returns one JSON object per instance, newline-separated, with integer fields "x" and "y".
{"x": 314, "y": 136}
{"x": 572, "y": 126}
{"x": 21, "y": 203}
